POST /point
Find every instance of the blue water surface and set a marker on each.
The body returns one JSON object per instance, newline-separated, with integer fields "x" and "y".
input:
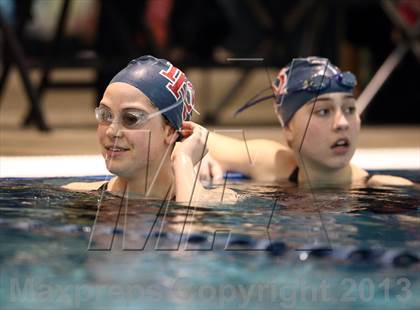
{"x": 278, "y": 247}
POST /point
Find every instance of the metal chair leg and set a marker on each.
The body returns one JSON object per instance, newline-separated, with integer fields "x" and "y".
{"x": 53, "y": 48}
{"x": 18, "y": 56}
{"x": 410, "y": 41}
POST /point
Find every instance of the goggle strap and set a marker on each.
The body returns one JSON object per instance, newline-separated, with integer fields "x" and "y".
{"x": 259, "y": 93}
{"x": 195, "y": 110}
{"x": 251, "y": 102}
{"x": 168, "y": 108}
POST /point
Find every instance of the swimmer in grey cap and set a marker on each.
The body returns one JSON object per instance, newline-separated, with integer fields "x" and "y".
{"x": 144, "y": 111}
{"x": 315, "y": 105}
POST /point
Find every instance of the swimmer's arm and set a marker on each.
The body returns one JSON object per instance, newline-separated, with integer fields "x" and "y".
{"x": 187, "y": 186}
{"x": 186, "y": 154}
{"x": 83, "y": 186}
{"x": 260, "y": 159}
{"x": 388, "y": 180}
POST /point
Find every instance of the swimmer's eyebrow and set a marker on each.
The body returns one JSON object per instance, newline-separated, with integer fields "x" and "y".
{"x": 127, "y": 108}
{"x": 103, "y": 104}
{"x": 317, "y": 99}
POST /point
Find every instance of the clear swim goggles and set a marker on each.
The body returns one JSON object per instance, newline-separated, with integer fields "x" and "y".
{"x": 129, "y": 118}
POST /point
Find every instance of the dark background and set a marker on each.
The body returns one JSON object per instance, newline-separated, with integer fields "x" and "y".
{"x": 356, "y": 35}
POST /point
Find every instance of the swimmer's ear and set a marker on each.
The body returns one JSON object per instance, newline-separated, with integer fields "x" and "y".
{"x": 171, "y": 135}
{"x": 288, "y": 134}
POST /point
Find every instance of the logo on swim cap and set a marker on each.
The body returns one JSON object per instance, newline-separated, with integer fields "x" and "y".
{"x": 176, "y": 80}
{"x": 180, "y": 87}
{"x": 188, "y": 99}
{"x": 280, "y": 83}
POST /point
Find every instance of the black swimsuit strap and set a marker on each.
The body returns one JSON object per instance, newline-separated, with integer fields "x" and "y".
{"x": 294, "y": 175}
{"x": 103, "y": 186}
{"x": 368, "y": 177}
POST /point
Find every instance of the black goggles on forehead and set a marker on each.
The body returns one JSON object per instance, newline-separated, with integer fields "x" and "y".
{"x": 316, "y": 83}
{"x": 320, "y": 82}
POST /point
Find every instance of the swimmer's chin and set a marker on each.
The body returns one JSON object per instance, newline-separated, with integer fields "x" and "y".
{"x": 117, "y": 172}
{"x": 338, "y": 165}
{"x": 340, "y": 162}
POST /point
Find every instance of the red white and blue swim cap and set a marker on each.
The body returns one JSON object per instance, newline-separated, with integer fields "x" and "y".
{"x": 166, "y": 86}
{"x": 302, "y": 80}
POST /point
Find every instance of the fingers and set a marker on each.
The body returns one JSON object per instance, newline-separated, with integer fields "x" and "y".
{"x": 204, "y": 173}
{"x": 187, "y": 129}
{"x": 188, "y": 125}
{"x": 186, "y": 133}
{"x": 216, "y": 171}
{"x": 194, "y": 142}
{"x": 210, "y": 170}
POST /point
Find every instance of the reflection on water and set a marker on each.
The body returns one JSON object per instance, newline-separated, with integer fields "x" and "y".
{"x": 144, "y": 254}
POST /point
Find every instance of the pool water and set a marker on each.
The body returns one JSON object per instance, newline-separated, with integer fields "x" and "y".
{"x": 278, "y": 247}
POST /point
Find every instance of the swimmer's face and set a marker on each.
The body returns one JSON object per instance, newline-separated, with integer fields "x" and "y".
{"x": 331, "y": 131}
{"x": 126, "y": 151}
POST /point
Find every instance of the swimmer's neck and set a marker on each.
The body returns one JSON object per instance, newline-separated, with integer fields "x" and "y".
{"x": 159, "y": 183}
{"x": 312, "y": 175}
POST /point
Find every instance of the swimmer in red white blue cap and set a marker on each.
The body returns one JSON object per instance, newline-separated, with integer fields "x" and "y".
{"x": 314, "y": 102}
{"x": 145, "y": 109}
{"x": 166, "y": 86}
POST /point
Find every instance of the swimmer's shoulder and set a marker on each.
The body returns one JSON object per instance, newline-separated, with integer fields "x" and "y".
{"x": 375, "y": 180}
{"x": 359, "y": 174}
{"x": 84, "y": 186}
{"x": 275, "y": 164}
{"x": 388, "y": 180}
{"x": 268, "y": 146}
